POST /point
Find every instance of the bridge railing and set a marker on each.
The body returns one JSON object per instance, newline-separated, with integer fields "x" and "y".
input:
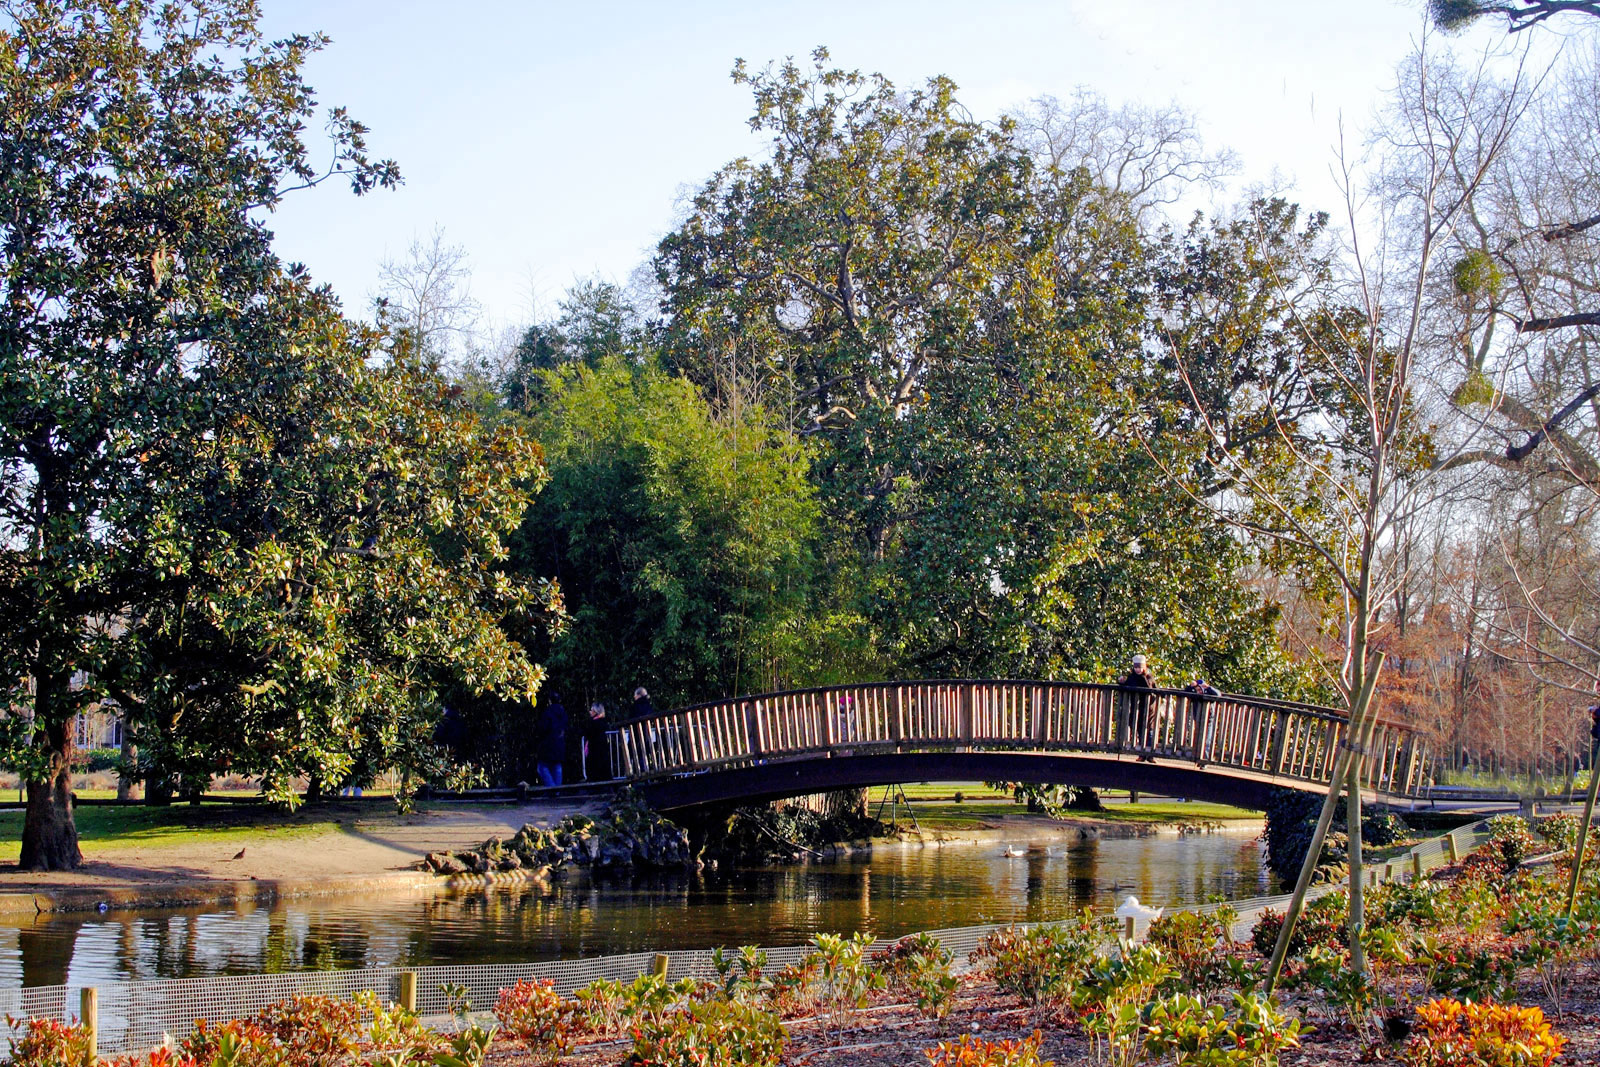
{"x": 1270, "y": 737}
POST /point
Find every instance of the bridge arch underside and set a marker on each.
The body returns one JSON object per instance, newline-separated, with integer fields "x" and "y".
{"x": 759, "y": 783}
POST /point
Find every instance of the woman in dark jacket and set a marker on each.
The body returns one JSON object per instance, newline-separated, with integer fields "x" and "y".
{"x": 1141, "y": 681}
{"x": 596, "y": 744}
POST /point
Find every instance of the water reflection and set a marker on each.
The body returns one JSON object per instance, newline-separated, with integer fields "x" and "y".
{"x": 894, "y": 891}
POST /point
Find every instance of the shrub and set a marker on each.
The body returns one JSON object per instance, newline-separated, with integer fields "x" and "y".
{"x": 845, "y": 972}
{"x": 919, "y": 966}
{"x": 49, "y": 1043}
{"x": 1560, "y": 830}
{"x": 794, "y": 988}
{"x": 1510, "y": 840}
{"x": 1039, "y": 963}
{"x": 1383, "y": 828}
{"x": 1194, "y": 1033}
{"x": 603, "y": 1001}
{"x": 305, "y": 1031}
{"x": 533, "y": 1013}
{"x": 1452, "y": 1034}
{"x": 972, "y": 1051}
{"x": 741, "y": 975}
{"x": 397, "y": 1034}
{"x": 1469, "y": 967}
{"x": 713, "y": 1033}
{"x": 1196, "y": 945}
{"x": 650, "y": 996}
{"x": 92, "y": 760}
{"x": 1110, "y": 995}
{"x": 1322, "y": 927}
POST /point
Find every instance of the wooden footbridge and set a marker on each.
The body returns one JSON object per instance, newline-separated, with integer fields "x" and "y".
{"x": 1231, "y": 748}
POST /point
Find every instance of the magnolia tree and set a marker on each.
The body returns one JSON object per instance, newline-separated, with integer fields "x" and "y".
{"x": 223, "y": 506}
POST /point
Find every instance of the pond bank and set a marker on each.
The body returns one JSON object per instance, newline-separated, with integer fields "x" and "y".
{"x": 334, "y": 854}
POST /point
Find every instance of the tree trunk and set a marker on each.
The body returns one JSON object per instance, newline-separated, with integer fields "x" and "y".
{"x": 125, "y": 776}
{"x": 49, "y": 836}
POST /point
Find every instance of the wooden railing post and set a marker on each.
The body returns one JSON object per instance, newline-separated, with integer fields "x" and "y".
{"x": 89, "y": 1016}
{"x": 966, "y": 714}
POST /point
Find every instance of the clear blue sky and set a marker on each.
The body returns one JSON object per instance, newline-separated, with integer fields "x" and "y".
{"x": 555, "y": 140}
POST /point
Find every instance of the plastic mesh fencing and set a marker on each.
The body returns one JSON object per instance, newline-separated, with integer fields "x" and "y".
{"x": 139, "y": 1015}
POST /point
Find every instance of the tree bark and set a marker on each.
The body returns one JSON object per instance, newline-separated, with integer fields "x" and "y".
{"x": 49, "y": 836}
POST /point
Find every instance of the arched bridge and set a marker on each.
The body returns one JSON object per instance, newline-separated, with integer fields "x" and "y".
{"x": 1230, "y": 748}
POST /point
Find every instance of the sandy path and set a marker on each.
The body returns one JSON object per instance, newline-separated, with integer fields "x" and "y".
{"x": 358, "y": 845}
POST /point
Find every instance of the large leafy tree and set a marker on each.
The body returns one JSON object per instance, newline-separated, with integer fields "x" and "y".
{"x": 218, "y": 502}
{"x": 958, "y": 322}
{"x": 683, "y": 541}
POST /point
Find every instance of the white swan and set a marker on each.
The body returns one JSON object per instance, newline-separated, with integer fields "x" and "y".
{"x": 1014, "y": 851}
{"x": 1130, "y": 908}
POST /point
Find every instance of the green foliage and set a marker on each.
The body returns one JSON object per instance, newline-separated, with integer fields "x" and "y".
{"x": 533, "y": 1013}
{"x": 911, "y": 284}
{"x": 603, "y": 1002}
{"x": 683, "y": 538}
{"x": 48, "y": 1043}
{"x": 1510, "y": 840}
{"x": 1560, "y": 830}
{"x": 296, "y": 534}
{"x": 1110, "y": 998}
{"x": 1197, "y": 946}
{"x": 1197, "y": 1034}
{"x": 710, "y": 1033}
{"x": 743, "y": 974}
{"x": 845, "y": 973}
{"x": 1041, "y": 964}
{"x": 1476, "y": 274}
{"x": 919, "y": 966}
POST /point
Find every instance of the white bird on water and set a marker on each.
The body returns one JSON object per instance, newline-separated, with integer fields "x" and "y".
{"x": 1015, "y": 851}
{"x": 1130, "y": 908}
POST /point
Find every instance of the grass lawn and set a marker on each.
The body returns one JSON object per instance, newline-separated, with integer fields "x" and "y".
{"x": 936, "y": 809}
{"x": 139, "y": 826}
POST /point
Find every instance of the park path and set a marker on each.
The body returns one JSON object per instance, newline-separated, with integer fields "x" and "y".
{"x": 357, "y": 851}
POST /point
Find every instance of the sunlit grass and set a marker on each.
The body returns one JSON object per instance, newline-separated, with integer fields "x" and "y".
{"x": 110, "y": 829}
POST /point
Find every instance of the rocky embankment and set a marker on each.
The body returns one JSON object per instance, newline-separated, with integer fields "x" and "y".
{"x": 625, "y": 836}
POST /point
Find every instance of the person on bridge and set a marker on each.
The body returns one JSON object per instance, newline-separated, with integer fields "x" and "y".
{"x": 1201, "y": 692}
{"x": 596, "y": 743}
{"x": 1141, "y": 681}
{"x": 552, "y": 741}
{"x": 642, "y": 707}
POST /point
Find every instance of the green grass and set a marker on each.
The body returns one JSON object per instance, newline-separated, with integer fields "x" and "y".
{"x": 936, "y": 810}
{"x": 108, "y": 828}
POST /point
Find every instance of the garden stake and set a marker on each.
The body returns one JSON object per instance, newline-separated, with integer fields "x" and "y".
{"x": 1583, "y": 832}
{"x": 1361, "y": 737}
{"x": 1297, "y": 902}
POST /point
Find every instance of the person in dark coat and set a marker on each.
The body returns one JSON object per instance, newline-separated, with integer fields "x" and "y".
{"x": 642, "y": 707}
{"x": 1201, "y": 693}
{"x": 552, "y": 741}
{"x": 596, "y": 744}
{"x": 1140, "y": 681}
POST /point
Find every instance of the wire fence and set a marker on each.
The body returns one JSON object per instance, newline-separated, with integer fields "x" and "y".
{"x": 141, "y": 1014}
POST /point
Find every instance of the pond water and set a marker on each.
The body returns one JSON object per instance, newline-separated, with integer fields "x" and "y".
{"x": 890, "y": 892}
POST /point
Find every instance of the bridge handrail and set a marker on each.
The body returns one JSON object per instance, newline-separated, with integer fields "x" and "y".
{"x": 1236, "y": 733}
{"x": 1318, "y": 710}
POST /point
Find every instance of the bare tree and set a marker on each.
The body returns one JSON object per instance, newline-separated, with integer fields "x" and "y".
{"x": 1149, "y": 155}
{"x": 426, "y": 298}
{"x": 1338, "y": 464}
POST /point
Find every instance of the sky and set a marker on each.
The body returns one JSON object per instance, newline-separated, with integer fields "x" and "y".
{"x": 557, "y": 141}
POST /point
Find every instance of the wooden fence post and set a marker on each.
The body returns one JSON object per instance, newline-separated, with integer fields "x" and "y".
{"x": 89, "y": 1016}
{"x": 408, "y": 991}
{"x": 659, "y": 967}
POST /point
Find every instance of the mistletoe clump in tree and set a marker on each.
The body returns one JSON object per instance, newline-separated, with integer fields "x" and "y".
{"x": 224, "y": 506}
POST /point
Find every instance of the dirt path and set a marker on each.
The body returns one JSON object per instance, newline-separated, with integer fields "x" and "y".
{"x": 338, "y": 845}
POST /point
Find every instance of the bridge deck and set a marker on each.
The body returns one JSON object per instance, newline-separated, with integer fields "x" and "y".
{"x": 950, "y": 724}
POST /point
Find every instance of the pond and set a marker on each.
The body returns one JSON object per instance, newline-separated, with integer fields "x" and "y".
{"x": 892, "y": 891}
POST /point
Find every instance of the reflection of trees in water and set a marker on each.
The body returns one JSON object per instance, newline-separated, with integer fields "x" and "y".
{"x": 581, "y": 915}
